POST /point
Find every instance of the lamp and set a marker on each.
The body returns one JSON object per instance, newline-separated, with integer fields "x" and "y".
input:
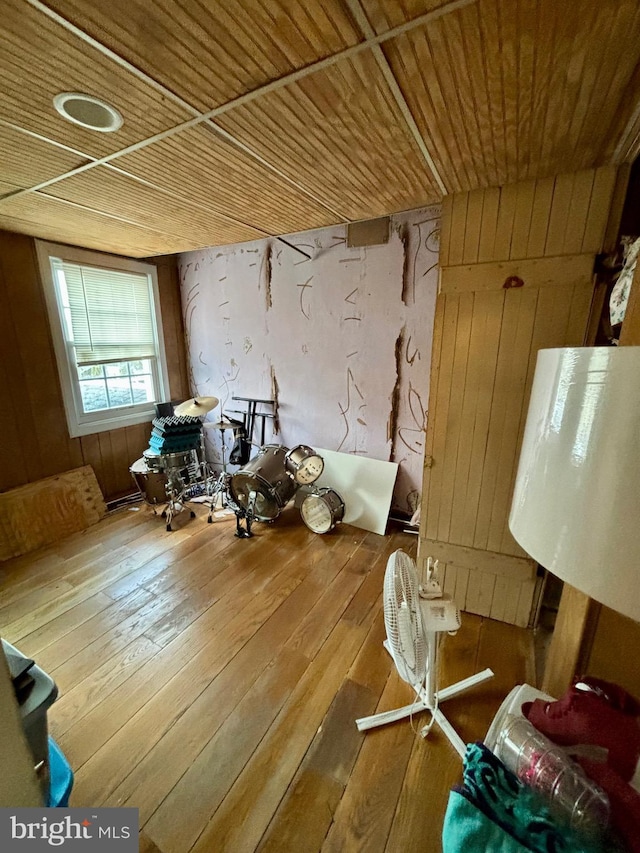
{"x": 576, "y": 505}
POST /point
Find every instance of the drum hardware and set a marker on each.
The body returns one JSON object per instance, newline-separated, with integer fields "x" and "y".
{"x": 322, "y": 510}
{"x": 172, "y": 479}
{"x": 248, "y": 514}
{"x": 250, "y": 416}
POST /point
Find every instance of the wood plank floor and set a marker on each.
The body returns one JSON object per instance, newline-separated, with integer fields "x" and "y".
{"x": 213, "y": 683}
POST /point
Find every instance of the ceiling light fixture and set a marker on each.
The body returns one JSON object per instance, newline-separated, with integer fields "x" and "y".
{"x": 88, "y": 112}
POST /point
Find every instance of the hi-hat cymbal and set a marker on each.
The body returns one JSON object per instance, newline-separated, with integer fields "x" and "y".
{"x": 196, "y": 407}
{"x": 225, "y": 425}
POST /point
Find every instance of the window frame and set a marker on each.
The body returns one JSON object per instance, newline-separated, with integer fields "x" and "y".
{"x": 82, "y": 423}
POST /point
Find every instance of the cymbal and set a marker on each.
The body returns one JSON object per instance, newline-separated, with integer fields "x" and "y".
{"x": 225, "y": 425}
{"x": 196, "y": 407}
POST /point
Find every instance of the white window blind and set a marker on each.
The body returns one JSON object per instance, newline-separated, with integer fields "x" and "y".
{"x": 108, "y": 313}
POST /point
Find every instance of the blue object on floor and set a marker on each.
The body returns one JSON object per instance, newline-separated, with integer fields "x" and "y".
{"x": 60, "y": 777}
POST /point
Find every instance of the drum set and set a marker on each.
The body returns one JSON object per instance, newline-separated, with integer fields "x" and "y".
{"x": 264, "y": 486}
{"x": 258, "y": 491}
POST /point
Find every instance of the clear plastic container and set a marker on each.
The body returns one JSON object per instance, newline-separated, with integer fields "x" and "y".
{"x": 547, "y": 768}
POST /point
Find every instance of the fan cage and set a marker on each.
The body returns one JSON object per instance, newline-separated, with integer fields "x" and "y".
{"x": 403, "y": 619}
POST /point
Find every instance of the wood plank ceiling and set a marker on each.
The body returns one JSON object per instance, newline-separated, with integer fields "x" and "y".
{"x": 246, "y": 118}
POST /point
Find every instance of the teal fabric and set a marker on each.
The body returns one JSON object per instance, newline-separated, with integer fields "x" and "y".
{"x": 467, "y": 829}
{"x": 494, "y": 811}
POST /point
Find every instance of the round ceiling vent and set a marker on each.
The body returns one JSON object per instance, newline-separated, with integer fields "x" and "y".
{"x": 88, "y": 112}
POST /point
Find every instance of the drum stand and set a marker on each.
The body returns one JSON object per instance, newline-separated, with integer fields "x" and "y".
{"x": 220, "y": 487}
{"x": 180, "y": 491}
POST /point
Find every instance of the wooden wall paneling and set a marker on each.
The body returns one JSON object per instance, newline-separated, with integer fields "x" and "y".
{"x": 120, "y": 453}
{"x": 172, "y": 326}
{"x": 525, "y": 193}
{"x": 480, "y": 593}
{"x": 562, "y": 271}
{"x": 37, "y": 442}
{"x": 456, "y": 398}
{"x": 137, "y": 441}
{"x": 92, "y": 455}
{"x": 601, "y": 210}
{"x": 576, "y": 334}
{"x": 480, "y": 430}
{"x": 460, "y": 477}
{"x": 609, "y": 658}
{"x": 14, "y": 461}
{"x": 109, "y": 463}
{"x": 471, "y": 245}
{"x": 504, "y": 225}
{"x": 593, "y": 241}
{"x": 515, "y": 401}
{"x": 19, "y": 449}
{"x": 461, "y": 586}
{"x": 564, "y": 649}
{"x": 578, "y": 214}
{"x": 458, "y": 228}
{"x": 483, "y": 582}
{"x": 539, "y": 226}
{"x": 446, "y": 219}
{"x": 490, "y": 473}
{"x": 494, "y": 303}
{"x": 491, "y": 203}
{"x": 559, "y": 213}
{"x": 439, "y": 394}
{"x": 41, "y": 406}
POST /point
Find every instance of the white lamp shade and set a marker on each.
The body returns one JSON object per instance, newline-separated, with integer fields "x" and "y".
{"x": 576, "y": 505}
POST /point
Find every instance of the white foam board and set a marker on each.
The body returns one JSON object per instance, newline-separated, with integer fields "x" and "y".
{"x": 365, "y": 485}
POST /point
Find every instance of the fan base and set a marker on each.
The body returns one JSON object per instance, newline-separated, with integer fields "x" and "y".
{"x": 365, "y": 723}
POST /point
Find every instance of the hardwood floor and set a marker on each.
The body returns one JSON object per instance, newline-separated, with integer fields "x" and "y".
{"x": 213, "y": 683}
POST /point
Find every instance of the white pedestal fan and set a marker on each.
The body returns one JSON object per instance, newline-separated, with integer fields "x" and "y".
{"x": 414, "y": 617}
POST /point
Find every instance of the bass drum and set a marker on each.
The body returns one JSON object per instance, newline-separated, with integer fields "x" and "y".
{"x": 267, "y": 476}
{"x": 151, "y": 484}
{"x": 322, "y": 510}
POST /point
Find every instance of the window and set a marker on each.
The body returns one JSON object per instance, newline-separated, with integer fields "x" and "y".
{"x": 105, "y": 321}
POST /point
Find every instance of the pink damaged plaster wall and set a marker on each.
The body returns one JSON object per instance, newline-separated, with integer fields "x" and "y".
{"x": 342, "y": 340}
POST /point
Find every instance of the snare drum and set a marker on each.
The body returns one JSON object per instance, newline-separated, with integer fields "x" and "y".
{"x": 322, "y": 510}
{"x": 170, "y": 461}
{"x": 265, "y": 475}
{"x": 152, "y": 485}
{"x": 304, "y": 464}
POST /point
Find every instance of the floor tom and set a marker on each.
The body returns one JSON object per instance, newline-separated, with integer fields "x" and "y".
{"x": 322, "y": 510}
